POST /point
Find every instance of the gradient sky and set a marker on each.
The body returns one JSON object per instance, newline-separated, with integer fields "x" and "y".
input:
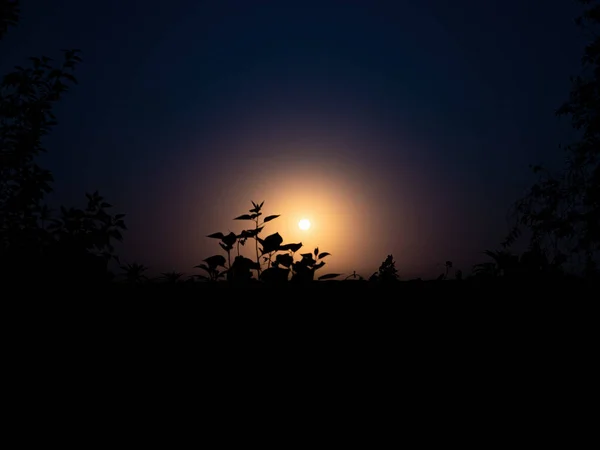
{"x": 401, "y": 127}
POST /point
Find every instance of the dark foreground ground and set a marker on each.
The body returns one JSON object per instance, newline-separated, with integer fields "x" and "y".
{"x": 188, "y": 321}
{"x": 490, "y": 289}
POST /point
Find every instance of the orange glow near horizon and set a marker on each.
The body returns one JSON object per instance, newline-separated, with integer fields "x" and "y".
{"x": 339, "y": 208}
{"x": 346, "y": 199}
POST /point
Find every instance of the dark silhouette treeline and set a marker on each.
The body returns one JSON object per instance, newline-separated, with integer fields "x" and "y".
{"x": 560, "y": 217}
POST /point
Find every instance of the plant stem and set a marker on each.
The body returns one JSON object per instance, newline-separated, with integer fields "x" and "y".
{"x": 256, "y": 246}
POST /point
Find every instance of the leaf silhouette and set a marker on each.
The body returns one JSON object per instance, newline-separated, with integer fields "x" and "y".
{"x": 292, "y": 247}
{"x": 269, "y": 218}
{"x": 215, "y": 261}
{"x": 256, "y": 208}
{"x": 284, "y": 259}
{"x": 244, "y": 217}
{"x": 216, "y": 235}
{"x": 271, "y": 243}
{"x": 242, "y": 266}
{"x": 307, "y": 259}
{"x": 324, "y": 254}
{"x": 316, "y": 251}
{"x": 249, "y": 233}
{"x": 329, "y": 276}
{"x": 229, "y": 240}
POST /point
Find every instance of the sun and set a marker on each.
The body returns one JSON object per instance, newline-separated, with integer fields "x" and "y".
{"x": 304, "y": 224}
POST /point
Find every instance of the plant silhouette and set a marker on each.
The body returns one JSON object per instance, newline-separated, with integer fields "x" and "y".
{"x": 134, "y": 273}
{"x": 171, "y": 277}
{"x": 448, "y": 266}
{"x": 270, "y": 251}
{"x": 387, "y": 271}
{"x": 211, "y": 267}
{"x": 354, "y": 276}
{"x": 304, "y": 270}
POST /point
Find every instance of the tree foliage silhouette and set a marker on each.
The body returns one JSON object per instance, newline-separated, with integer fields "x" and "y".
{"x": 562, "y": 211}
{"x": 9, "y": 15}
{"x": 78, "y": 243}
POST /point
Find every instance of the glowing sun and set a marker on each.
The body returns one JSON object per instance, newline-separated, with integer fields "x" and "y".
{"x": 304, "y": 224}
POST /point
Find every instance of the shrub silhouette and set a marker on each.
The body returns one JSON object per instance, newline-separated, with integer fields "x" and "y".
{"x": 504, "y": 264}
{"x": 171, "y": 277}
{"x": 212, "y": 268}
{"x": 270, "y": 252}
{"x": 533, "y": 263}
{"x": 387, "y": 271}
{"x": 82, "y": 239}
{"x": 134, "y": 273}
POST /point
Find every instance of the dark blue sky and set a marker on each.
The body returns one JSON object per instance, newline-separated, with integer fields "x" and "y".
{"x": 397, "y": 126}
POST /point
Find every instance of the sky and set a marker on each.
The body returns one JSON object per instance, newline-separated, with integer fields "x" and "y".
{"x": 395, "y": 127}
